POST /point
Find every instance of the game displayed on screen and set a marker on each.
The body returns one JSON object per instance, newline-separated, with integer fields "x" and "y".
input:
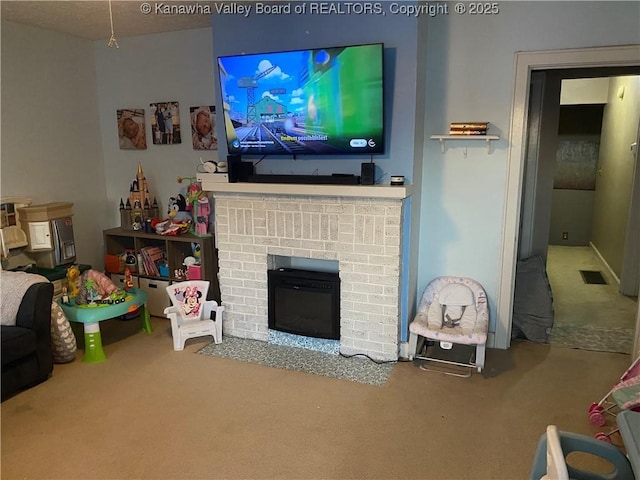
{"x": 322, "y": 101}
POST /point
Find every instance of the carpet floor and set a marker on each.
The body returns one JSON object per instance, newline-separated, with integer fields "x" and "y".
{"x": 588, "y": 316}
{"x": 597, "y": 339}
{"x": 356, "y": 369}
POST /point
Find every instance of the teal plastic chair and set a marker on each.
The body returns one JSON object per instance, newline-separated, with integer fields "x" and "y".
{"x": 554, "y": 446}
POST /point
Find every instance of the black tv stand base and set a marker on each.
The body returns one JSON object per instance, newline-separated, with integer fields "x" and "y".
{"x": 306, "y": 179}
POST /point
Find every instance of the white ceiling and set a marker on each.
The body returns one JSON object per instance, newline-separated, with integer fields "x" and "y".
{"x": 90, "y": 18}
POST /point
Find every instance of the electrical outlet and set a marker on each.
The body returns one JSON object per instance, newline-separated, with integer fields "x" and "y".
{"x": 565, "y": 235}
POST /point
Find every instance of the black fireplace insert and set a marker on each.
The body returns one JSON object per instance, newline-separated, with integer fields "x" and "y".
{"x": 304, "y": 302}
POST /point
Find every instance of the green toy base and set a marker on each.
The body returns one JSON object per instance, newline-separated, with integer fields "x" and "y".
{"x": 93, "y": 351}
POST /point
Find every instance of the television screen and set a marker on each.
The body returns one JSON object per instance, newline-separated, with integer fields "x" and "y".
{"x": 326, "y": 101}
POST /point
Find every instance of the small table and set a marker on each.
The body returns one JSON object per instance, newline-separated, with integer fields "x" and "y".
{"x": 629, "y": 423}
{"x": 91, "y": 315}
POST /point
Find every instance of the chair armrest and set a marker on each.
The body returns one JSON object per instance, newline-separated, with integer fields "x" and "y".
{"x": 35, "y": 313}
{"x": 35, "y": 308}
{"x": 574, "y": 442}
{"x": 210, "y": 306}
{"x": 171, "y": 309}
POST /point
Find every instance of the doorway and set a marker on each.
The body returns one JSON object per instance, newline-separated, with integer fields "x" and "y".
{"x": 526, "y": 64}
{"x": 576, "y": 201}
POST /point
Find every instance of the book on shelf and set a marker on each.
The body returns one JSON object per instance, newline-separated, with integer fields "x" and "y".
{"x": 151, "y": 256}
{"x": 455, "y": 131}
{"x": 469, "y": 125}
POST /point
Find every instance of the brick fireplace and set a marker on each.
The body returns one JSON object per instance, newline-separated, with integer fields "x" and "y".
{"x": 359, "y": 227}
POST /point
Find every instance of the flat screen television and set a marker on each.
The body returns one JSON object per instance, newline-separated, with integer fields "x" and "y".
{"x": 325, "y": 101}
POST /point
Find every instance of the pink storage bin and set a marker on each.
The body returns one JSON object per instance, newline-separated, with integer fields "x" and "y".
{"x": 194, "y": 272}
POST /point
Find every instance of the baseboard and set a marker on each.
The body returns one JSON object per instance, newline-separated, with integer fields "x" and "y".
{"x": 604, "y": 263}
{"x": 404, "y": 350}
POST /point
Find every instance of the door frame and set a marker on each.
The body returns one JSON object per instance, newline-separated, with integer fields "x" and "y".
{"x": 525, "y": 63}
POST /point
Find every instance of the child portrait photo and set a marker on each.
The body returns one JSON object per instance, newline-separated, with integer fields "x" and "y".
{"x": 203, "y": 128}
{"x": 131, "y": 129}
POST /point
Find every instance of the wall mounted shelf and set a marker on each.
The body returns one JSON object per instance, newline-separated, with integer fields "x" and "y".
{"x": 443, "y": 139}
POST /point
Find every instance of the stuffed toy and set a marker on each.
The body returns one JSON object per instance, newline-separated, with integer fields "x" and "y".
{"x": 178, "y": 209}
{"x": 73, "y": 274}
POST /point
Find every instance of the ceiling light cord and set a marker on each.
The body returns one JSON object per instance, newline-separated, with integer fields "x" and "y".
{"x": 112, "y": 39}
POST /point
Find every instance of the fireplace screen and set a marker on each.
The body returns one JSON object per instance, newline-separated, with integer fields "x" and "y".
{"x": 304, "y": 302}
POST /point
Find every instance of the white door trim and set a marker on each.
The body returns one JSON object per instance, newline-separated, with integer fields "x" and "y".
{"x": 525, "y": 63}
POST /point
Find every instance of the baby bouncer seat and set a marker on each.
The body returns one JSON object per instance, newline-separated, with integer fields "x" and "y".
{"x": 452, "y": 311}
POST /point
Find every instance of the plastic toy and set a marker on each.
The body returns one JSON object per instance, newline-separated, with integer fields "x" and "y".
{"x": 73, "y": 274}
{"x": 198, "y": 205}
{"x": 128, "y": 280}
{"x": 95, "y": 287}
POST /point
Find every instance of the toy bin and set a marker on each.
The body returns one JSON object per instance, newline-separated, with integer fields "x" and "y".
{"x": 114, "y": 263}
{"x": 194, "y": 272}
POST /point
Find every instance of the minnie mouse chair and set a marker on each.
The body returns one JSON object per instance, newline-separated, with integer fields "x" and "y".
{"x": 191, "y": 314}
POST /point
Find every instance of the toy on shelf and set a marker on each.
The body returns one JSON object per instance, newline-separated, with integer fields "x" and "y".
{"x": 178, "y": 209}
{"x": 139, "y": 209}
{"x": 198, "y": 204}
{"x": 179, "y": 220}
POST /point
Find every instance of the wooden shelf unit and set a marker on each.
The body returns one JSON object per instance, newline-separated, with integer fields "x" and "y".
{"x": 177, "y": 248}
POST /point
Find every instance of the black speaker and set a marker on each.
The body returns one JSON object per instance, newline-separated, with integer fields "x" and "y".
{"x": 234, "y": 163}
{"x": 246, "y": 171}
{"x": 367, "y": 173}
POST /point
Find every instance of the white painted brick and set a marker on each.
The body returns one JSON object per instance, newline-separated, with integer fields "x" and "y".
{"x": 250, "y": 248}
{"x": 323, "y": 255}
{"x": 346, "y": 238}
{"x": 392, "y": 231}
{"x": 258, "y": 302}
{"x": 371, "y": 249}
{"x": 312, "y": 207}
{"x": 383, "y": 260}
{"x": 301, "y": 253}
{"x": 354, "y": 258}
{"x": 256, "y": 284}
{"x": 363, "y": 234}
{"x": 354, "y": 296}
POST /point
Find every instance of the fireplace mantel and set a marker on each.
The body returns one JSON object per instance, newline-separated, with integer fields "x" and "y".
{"x": 360, "y": 227}
{"x": 315, "y": 190}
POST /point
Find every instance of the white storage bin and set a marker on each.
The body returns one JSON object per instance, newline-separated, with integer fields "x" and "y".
{"x": 157, "y": 298}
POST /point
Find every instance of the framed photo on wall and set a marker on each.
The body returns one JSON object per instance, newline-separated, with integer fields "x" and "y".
{"x": 131, "y": 129}
{"x": 165, "y": 123}
{"x": 203, "y": 127}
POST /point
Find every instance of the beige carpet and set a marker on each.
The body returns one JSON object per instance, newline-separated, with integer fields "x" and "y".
{"x": 590, "y": 316}
{"x": 151, "y": 413}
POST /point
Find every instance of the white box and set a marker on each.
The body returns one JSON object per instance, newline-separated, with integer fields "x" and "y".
{"x": 212, "y": 177}
{"x": 157, "y": 298}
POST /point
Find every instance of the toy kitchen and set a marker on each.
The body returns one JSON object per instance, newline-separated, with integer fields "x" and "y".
{"x": 37, "y": 238}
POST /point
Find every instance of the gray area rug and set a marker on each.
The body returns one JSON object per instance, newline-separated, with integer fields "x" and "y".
{"x": 355, "y": 369}
{"x": 599, "y": 339}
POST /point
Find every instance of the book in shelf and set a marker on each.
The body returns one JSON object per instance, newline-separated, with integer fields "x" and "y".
{"x": 468, "y": 128}
{"x": 151, "y": 257}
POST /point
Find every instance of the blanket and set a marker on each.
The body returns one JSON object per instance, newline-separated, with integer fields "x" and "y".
{"x": 13, "y": 286}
